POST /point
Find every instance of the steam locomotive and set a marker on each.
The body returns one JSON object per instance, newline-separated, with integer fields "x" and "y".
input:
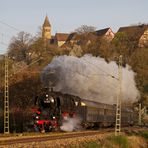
{"x": 53, "y": 108}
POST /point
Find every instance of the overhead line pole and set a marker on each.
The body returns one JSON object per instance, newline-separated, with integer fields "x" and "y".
{"x": 119, "y": 98}
{"x": 6, "y": 93}
{"x": 6, "y": 98}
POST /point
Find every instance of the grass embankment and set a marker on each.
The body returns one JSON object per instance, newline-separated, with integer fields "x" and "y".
{"x": 135, "y": 141}
{"x": 144, "y": 134}
{"x": 108, "y": 142}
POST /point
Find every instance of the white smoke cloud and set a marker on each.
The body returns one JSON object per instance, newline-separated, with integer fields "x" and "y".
{"x": 90, "y": 78}
{"x": 71, "y": 124}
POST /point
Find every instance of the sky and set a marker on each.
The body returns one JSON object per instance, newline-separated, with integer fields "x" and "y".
{"x": 67, "y": 15}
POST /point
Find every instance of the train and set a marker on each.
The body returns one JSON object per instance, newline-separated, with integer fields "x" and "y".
{"x": 52, "y": 109}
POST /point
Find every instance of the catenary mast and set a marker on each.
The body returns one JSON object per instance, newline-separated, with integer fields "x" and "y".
{"x": 6, "y": 98}
{"x": 119, "y": 98}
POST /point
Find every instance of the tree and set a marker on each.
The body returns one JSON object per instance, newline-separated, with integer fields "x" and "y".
{"x": 18, "y": 48}
{"x": 139, "y": 63}
{"x": 37, "y": 47}
{"x": 85, "y": 29}
{"x": 120, "y": 42}
{"x": 120, "y": 45}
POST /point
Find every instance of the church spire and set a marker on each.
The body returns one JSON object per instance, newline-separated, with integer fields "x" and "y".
{"x": 46, "y": 29}
{"x": 46, "y": 22}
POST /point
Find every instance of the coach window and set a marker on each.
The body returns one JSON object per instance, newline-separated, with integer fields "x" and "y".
{"x": 101, "y": 111}
{"x": 105, "y": 111}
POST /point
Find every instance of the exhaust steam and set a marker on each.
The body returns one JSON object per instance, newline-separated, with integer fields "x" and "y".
{"x": 90, "y": 78}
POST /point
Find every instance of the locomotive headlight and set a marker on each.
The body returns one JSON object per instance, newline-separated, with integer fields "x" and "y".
{"x": 83, "y": 104}
{"x": 76, "y": 103}
{"x": 37, "y": 117}
{"x": 52, "y": 100}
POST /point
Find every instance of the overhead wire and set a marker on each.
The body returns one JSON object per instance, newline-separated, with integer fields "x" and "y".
{"x": 108, "y": 74}
{"x": 91, "y": 76}
{"x": 10, "y": 26}
{"x": 24, "y": 67}
{"x": 4, "y": 44}
{"x": 14, "y": 28}
{"x": 2, "y": 34}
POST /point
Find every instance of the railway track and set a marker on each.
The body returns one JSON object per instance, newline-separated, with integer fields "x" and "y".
{"x": 53, "y": 137}
{"x": 60, "y": 136}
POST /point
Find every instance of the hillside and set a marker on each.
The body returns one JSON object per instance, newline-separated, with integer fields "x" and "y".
{"x": 24, "y": 71}
{"x": 25, "y": 74}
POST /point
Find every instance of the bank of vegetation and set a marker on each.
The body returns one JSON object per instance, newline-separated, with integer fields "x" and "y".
{"x": 29, "y": 55}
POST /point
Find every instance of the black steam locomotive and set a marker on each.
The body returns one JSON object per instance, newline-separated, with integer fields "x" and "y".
{"x": 53, "y": 108}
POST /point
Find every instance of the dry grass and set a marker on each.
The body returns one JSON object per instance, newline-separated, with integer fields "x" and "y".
{"x": 137, "y": 142}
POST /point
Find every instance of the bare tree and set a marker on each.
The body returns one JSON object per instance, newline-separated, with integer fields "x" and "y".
{"x": 85, "y": 29}
{"x": 39, "y": 32}
{"x": 19, "y": 46}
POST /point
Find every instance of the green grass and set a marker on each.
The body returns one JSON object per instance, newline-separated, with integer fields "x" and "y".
{"x": 120, "y": 140}
{"x": 91, "y": 144}
{"x": 144, "y": 134}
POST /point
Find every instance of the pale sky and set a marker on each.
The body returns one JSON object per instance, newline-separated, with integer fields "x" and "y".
{"x": 67, "y": 15}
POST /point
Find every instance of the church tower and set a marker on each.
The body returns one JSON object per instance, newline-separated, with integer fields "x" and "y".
{"x": 46, "y": 29}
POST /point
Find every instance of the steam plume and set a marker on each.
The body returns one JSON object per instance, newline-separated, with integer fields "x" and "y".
{"x": 71, "y": 124}
{"x": 89, "y": 78}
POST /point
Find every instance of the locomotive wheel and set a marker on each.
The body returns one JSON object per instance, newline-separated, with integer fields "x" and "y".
{"x": 56, "y": 129}
{"x": 50, "y": 128}
{"x": 36, "y": 128}
{"x": 42, "y": 131}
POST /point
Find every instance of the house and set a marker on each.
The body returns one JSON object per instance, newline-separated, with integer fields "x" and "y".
{"x": 72, "y": 38}
{"x": 63, "y": 39}
{"x": 107, "y": 33}
{"x": 136, "y": 34}
{"x": 60, "y": 38}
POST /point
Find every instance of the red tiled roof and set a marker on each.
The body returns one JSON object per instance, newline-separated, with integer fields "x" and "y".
{"x": 61, "y": 36}
{"x": 134, "y": 31}
{"x": 71, "y": 36}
